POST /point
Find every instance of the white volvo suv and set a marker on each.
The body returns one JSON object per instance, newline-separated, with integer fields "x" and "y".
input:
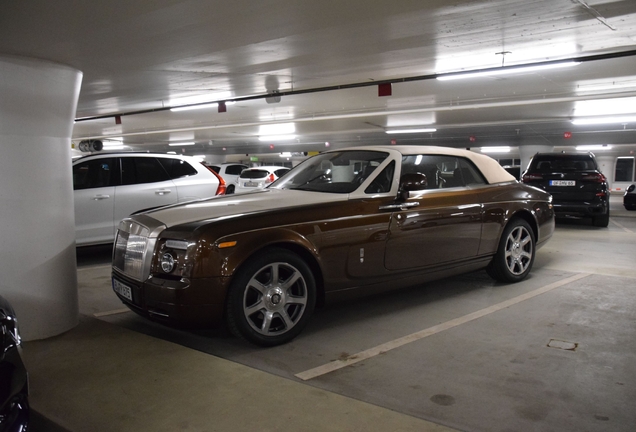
{"x": 111, "y": 186}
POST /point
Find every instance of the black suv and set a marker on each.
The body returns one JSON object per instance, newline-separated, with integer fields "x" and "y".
{"x": 578, "y": 188}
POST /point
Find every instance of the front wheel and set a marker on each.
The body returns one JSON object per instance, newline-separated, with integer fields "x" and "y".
{"x": 515, "y": 255}
{"x": 229, "y": 190}
{"x": 271, "y": 299}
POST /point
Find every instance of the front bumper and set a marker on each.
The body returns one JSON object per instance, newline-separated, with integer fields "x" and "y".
{"x": 197, "y": 303}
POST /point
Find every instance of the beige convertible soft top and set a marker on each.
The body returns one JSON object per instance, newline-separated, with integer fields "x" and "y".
{"x": 489, "y": 167}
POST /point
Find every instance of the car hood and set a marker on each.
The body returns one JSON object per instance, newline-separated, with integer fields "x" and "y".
{"x": 227, "y": 206}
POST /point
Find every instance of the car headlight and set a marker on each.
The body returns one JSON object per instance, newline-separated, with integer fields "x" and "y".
{"x": 173, "y": 258}
{"x": 167, "y": 263}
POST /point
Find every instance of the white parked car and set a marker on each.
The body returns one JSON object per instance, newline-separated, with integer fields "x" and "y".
{"x": 259, "y": 177}
{"x": 111, "y": 186}
{"x": 228, "y": 172}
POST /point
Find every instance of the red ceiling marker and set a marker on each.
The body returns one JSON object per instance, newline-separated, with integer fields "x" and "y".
{"x": 472, "y": 138}
{"x": 567, "y": 135}
{"x": 222, "y": 107}
{"x": 393, "y": 142}
{"x": 271, "y": 146}
{"x": 117, "y": 119}
{"x": 384, "y": 89}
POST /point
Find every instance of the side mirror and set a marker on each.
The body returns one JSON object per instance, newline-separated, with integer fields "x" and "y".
{"x": 411, "y": 182}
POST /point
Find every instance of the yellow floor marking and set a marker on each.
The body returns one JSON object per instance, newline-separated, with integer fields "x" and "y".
{"x": 113, "y": 312}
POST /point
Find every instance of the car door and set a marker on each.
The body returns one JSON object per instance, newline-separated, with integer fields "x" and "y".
{"x": 94, "y": 183}
{"x": 439, "y": 224}
{"x": 145, "y": 185}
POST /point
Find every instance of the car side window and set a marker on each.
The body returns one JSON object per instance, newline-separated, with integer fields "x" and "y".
{"x": 234, "y": 169}
{"x": 382, "y": 182}
{"x": 136, "y": 170}
{"x": 469, "y": 173}
{"x": 177, "y": 168}
{"x": 95, "y": 173}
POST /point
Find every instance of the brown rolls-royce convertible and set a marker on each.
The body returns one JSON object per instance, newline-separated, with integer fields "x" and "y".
{"x": 342, "y": 223}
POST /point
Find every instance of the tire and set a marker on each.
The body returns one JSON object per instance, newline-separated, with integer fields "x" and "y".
{"x": 601, "y": 221}
{"x": 267, "y": 312}
{"x": 515, "y": 254}
{"x": 229, "y": 190}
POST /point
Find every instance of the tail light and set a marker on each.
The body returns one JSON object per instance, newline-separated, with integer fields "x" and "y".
{"x": 594, "y": 177}
{"x": 222, "y": 186}
{"x": 530, "y": 177}
{"x": 270, "y": 179}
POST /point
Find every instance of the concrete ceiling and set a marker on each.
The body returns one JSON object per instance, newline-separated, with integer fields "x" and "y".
{"x": 326, "y": 58}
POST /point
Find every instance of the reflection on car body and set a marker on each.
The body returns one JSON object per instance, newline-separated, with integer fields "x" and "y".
{"x": 629, "y": 198}
{"x": 14, "y": 383}
{"x": 341, "y": 224}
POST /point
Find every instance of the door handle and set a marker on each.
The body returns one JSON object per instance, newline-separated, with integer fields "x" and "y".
{"x": 402, "y": 206}
{"x": 162, "y": 191}
{"x": 100, "y": 197}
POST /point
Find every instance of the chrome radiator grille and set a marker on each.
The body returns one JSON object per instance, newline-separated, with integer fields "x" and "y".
{"x": 134, "y": 247}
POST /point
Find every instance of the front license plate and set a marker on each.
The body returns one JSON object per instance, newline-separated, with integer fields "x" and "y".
{"x": 121, "y": 289}
{"x": 562, "y": 183}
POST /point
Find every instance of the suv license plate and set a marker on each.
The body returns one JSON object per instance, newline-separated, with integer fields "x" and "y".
{"x": 562, "y": 183}
{"x": 121, "y": 289}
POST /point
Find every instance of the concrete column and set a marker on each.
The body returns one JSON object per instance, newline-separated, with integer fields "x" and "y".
{"x": 38, "y": 270}
{"x": 527, "y": 151}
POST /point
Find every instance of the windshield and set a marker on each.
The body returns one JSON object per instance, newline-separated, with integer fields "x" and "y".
{"x": 333, "y": 172}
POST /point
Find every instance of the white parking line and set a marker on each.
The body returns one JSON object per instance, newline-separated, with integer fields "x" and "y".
{"x": 391, "y": 345}
{"x": 113, "y": 312}
{"x": 621, "y": 226}
{"x": 96, "y": 267}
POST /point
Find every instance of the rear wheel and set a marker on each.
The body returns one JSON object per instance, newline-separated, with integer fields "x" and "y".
{"x": 601, "y": 221}
{"x": 229, "y": 190}
{"x": 515, "y": 255}
{"x": 271, "y": 299}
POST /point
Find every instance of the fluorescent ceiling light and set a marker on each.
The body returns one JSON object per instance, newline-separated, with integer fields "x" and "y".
{"x": 501, "y": 149}
{"x": 277, "y": 129}
{"x": 285, "y": 155}
{"x": 181, "y": 144}
{"x": 604, "y": 120}
{"x": 598, "y": 107}
{"x": 594, "y": 147}
{"x": 196, "y": 107}
{"x": 276, "y": 137}
{"x": 507, "y": 70}
{"x": 405, "y": 131}
{"x": 113, "y": 146}
{"x": 172, "y": 152}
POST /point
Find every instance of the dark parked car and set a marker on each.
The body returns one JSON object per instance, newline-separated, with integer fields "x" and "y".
{"x": 629, "y": 199}
{"x": 577, "y": 186}
{"x": 343, "y": 223}
{"x": 14, "y": 383}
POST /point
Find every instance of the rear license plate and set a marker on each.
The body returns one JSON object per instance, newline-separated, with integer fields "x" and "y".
{"x": 562, "y": 183}
{"x": 251, "y": 184}
{"x": 121, "y": 289}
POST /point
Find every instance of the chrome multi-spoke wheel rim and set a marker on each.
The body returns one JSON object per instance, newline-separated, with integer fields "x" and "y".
{"x": 275, "y": 299}
{"x": 519, "y": 250}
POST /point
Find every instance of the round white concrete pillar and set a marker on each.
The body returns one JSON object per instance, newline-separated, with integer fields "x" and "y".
{"x": 38, "y": 270}
{"x": 527, "y": 151}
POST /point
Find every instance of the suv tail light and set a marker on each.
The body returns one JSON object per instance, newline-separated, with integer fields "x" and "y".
{"x": 594, "y": 177}
{"x": 270, "y": 179}
{"x": 530, "y": 177}
{"x": 222, "y": 186}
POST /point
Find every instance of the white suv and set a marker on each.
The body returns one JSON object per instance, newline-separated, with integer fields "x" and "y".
{"x": 230, "y": 173}
{"x": 111, "y": 186}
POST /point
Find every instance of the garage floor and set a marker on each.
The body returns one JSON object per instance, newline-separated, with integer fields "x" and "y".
{"x": 556, "y": 352}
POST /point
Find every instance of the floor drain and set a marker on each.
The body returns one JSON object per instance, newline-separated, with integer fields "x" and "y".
{"x": 564, "y": 345}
